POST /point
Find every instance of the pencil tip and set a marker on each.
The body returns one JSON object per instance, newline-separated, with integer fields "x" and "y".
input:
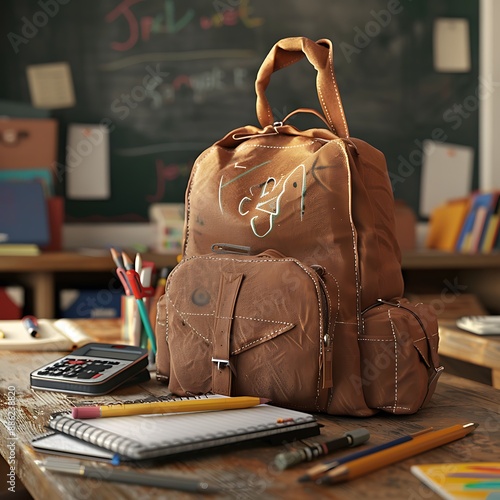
{"x": 264, "y": 401}
{"x": 334, "y": 476}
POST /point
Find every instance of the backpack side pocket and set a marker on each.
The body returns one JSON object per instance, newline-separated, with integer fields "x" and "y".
{"x": 399, "y": 359}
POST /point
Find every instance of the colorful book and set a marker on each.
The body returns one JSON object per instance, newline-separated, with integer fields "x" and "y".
{"x": 446, "y": 223}
{"x": 26, "y": 249}
{"x": 42, "y": 175}
{"x": 482, "y": 205}
{"x": 492, "y": 227}
{"x": 457, "y": 481}
{"x": 24, "y": 213}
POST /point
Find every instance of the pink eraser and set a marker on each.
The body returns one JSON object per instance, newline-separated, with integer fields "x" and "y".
{"x": 86, "y": 412}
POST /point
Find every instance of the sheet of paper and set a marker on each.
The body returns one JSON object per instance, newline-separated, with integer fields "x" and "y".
{"x": 87, "y": 162}
{"x": 446, "y": 174}
{"x": 51, "y": 85}
{"x": 452, "y": 45}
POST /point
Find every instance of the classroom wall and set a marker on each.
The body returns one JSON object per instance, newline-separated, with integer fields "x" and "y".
{"x": 489, "y": 111}
{"x": 170, "y": 77}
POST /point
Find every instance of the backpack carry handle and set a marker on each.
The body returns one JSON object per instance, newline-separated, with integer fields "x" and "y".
{"x": 320, "y": 54}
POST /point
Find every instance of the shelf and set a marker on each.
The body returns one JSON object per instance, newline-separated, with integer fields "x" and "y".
{"x": 434, "y": 269}
{"x": 39, "y": 272}
{"x": 435, "y": 259}
{"x": 73, "y": 261}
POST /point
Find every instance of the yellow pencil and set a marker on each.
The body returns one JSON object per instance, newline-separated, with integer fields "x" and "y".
{"x": 422, "y": 443}
{"x": 186, "y": 405}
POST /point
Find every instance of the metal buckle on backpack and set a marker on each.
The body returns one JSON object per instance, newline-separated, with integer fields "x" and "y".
{"x": 220, "y": 362}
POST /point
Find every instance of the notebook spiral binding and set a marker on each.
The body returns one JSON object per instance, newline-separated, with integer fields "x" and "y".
{"x": 93, "y": 435}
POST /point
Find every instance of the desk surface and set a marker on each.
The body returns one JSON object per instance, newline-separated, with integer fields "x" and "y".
{"x": 246, "y": 472}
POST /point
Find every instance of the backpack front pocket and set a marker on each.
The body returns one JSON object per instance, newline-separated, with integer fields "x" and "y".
{"x": 249, "y": 325}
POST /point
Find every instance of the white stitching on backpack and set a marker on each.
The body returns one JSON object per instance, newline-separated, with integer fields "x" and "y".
{"x": 395, "y": 361}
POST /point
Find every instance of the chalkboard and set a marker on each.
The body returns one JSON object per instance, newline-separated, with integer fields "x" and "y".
{"x": 170, "y": 77}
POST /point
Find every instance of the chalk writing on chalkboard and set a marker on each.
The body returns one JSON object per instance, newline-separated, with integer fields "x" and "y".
{"x": 172, "y": 20}
{"x": 168, "y": 78}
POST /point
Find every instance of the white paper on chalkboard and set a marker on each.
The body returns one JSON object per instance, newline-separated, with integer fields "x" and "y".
{"x": 51, "y": 85}
{"x": 87, "y": 162}
{"x": 451, "y": 45}
{"x": 446, "y": 174}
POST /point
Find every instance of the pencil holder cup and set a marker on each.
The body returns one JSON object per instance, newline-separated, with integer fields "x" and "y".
{"x": 131, "y": 321}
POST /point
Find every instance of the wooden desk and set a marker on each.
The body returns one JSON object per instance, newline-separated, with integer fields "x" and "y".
{"x": 246, "y": 472}
{"x": 481, "y": 350}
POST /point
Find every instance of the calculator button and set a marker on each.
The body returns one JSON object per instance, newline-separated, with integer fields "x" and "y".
{"x": 75, "y": 362}
{"x": 97, "y": 375}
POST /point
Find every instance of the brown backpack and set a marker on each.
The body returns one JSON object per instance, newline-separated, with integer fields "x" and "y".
{"x": 290, "y": 284}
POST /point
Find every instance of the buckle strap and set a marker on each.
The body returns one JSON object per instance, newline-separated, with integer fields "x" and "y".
{"x": 229, "y": 287}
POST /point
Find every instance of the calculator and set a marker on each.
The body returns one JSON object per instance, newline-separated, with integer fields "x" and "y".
{"x": 95, "y": 368}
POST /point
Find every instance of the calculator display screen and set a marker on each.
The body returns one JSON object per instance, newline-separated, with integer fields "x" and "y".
{"x": 101, "y": 353}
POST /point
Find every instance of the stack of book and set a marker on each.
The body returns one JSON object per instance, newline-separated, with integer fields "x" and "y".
{"x": 467, "y": 225}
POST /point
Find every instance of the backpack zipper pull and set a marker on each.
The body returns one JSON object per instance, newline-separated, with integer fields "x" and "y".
{"x": 229, "y": 248}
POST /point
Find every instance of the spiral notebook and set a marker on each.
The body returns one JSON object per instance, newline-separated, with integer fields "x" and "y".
{"x": 152, "y": 436}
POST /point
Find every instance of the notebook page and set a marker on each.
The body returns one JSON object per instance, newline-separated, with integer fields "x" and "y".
{"x": 73, "y": 332}
{"x": 17, "y": 338}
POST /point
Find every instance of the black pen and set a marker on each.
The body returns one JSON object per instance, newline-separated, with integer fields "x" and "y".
{"x": 126, "y": 476}
{"x": 31, "y": 325}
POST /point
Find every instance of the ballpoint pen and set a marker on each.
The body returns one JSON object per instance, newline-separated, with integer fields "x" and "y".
{"x": 31, "y": 325}
{"x": 126, "y": 476}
